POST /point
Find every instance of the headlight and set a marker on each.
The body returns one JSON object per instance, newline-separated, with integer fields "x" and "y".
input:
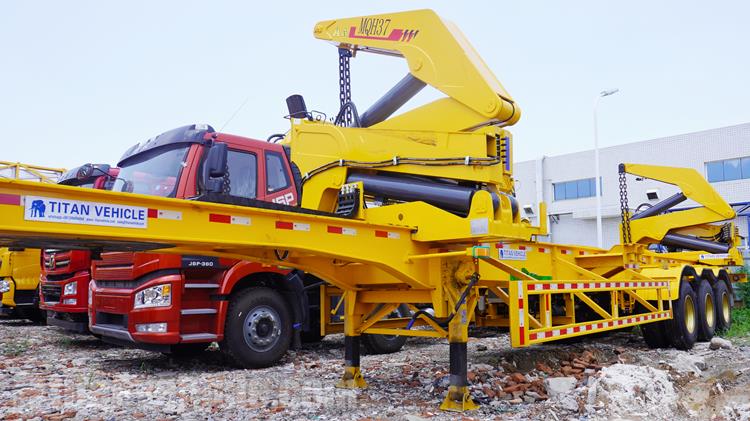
{"x": 158, "y": 296}
{"x": 4, "y": 286}
{"x": 71, "y": 288}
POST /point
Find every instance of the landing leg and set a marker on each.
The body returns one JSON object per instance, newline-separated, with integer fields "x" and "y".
{"x": 352, "y": 378}
{"x": 458, "y": 398}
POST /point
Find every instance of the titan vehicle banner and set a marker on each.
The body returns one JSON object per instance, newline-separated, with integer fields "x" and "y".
{"x": 48, "y": 209}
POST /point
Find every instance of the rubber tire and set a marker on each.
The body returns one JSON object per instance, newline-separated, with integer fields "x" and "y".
{"x": 679, "y": 335}
{"x": 187, "y": 351}
{"x": 386, "y": 344}
{"x": 654, "y": 333}
{"x": 706, "y": 330}
{"x": 722, "y": 323}
{"x": 234, "y": 346}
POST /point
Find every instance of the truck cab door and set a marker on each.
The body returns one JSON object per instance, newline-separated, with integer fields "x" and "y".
{"x": 279, "y": 187}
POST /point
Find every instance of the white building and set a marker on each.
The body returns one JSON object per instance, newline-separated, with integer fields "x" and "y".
{"x": 566, "y": 182}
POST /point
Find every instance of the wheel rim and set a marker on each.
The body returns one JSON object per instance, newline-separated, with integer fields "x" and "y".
{"x": 709, "y": 305}
{"x": 689, "y": 314}
{"x": 725, "y": 306}
{"x": 262, "y": 328}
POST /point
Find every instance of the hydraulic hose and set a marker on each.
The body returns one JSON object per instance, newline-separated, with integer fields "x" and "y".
{"x": 444, "y": 322}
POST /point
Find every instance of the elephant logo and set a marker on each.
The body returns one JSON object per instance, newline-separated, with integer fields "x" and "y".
{"x": 37, "y": 208}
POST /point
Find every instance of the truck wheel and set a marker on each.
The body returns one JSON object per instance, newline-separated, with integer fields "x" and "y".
{"x": 706, "y": 311}
{"x": 654, "y": 333}
{"x": 683, "y": 329}
{"x": 187, "y": 351}
{"x": 723, "y": 305}
{"x": 386, "y": 344}
{"x": 258, "y": 329}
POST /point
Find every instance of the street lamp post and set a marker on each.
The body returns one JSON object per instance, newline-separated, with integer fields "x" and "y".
{"x": 597, "y": 182}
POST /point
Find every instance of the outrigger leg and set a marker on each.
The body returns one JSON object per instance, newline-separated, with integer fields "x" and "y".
{"x": 458, "y": 398}
{"x": 352, "y": 378}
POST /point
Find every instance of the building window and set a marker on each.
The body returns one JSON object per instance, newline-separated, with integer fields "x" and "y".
{"x": 576, "y": 189}
{"x": 728, "y": 169}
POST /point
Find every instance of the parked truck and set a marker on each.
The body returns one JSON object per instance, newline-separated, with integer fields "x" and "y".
{"x": 418, "y": 209}
{"x": 180, "y": 303}
{"x": 19, "y": 267}
{"x": 65, "y": 274}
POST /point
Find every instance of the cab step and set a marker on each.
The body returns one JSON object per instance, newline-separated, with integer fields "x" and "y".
{"x": 198, "y": 337}
{"x": 194, "y": 311}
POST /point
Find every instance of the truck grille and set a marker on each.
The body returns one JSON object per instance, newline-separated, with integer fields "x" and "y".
{"x": 114, "y": 266}
{"x": 55, "y": 259}
{"x": 51, "y": 293}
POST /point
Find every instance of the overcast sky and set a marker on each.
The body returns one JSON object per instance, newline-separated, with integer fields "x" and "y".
{"x": 82, "y": 81}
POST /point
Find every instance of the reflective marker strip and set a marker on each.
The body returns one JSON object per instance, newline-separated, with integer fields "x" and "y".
{"x": 341, "y": 230}
{"x": 595, "y": 326}
{"x": 165, "y": 214}
{"x": 521, "y": 314}
{"x": 294, "y": 226}
{"x": 228, "y": 219}
{"x": 10, "y": 199}
{"x": 563, "y": 251}
{"x": 543, "y": 250}
{"x": 587, "y": 285}
{"x": 387, "y": 234}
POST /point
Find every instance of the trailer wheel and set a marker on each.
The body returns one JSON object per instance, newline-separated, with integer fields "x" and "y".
{"x": 706, "y": 311}
{"x": 723, "y": 305}
{"x": 386, "y": 344}
{"x": 654, "y": 333}
{"x": 683, "y": 329}
{"x": 258, "y": 328}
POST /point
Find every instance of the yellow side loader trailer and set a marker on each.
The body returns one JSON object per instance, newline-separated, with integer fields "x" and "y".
{"x": 418, "y": 209}
{"x": 19, "y": 268}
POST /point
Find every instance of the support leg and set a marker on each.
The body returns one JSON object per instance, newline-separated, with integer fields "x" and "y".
{"x": 352, "y": 378}
{"x": 458, "y": 398}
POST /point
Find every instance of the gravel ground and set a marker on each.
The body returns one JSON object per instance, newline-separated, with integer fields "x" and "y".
{"x": 48, "y": 374}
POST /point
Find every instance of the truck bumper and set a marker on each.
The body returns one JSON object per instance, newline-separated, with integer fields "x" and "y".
{"x": 113, "y": 316}
{"x": 53, "y": 299}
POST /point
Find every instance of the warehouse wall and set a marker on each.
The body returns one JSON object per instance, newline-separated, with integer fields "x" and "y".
{"x": 574, "y": 220}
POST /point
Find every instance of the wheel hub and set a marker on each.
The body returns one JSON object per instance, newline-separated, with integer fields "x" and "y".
{"x": 725, "y": 310}
{"x": 262, "y": 328}
{"x": 709, "y": 310}
{"x": 690, "y": 314}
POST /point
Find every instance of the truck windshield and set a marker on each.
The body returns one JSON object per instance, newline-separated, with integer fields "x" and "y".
{"x": 153, "y": 172}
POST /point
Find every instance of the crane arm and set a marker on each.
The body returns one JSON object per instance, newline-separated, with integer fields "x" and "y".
{"x": 437, "y": 54}
{"x": 652, "y": 225}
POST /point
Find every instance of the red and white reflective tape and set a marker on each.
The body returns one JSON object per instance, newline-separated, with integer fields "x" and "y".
{"x": 547, "y": 311}
{"x": 564, "y": 251}
{"x": 596, "y": 326}
{"x": 229, "y": 219}
{"x": 10, "y": 199}
{"x": 544, "y": 250}
{"x": 164, "y": 214}
{"x": 387, "y": 234}
{"x": 592, "y": 285}
{"x": 292, "y": 226}
{"x": 341, "y": 230}
{"x": 521, "y": 314}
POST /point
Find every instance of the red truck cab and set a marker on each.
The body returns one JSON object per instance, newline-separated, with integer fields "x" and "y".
{"x": 65, "y": 274}
{"x": 173, "y": 303}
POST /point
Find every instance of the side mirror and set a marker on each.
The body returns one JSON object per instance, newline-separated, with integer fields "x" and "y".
{"x": 215, "y": 168}
{"x": 85, "y": 171}
{"x": 127, "y": 187}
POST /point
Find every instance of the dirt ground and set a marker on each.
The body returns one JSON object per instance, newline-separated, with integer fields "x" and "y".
{"x": 48, "y": 374}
